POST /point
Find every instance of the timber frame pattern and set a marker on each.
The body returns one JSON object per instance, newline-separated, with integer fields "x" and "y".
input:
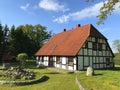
{"x": 82, "y": 47}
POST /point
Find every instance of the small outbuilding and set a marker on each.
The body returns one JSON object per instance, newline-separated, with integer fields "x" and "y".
{"x": 77, "y": 49}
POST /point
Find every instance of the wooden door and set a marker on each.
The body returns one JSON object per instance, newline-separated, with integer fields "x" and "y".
{"x": 50, "y": 61}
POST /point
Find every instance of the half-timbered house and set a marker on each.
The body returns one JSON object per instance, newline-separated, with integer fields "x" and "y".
{"x": 76, "y": 49}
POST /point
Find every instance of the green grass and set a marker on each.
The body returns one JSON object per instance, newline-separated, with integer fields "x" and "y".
{"x": 56, "y": 80}
{"x": 102, "y": 80}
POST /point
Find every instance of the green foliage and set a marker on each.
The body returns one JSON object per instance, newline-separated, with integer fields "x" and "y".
{"x": 117, "y": 59}
{"x": 116, "y": 45}
{"x": 27, "y": 38}
{"x": 3, "y": 40}
{"x": 22, "y": 57}
{"x": 107, "y": 8}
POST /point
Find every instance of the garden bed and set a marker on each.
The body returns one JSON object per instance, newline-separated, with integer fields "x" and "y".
{"x": 42, "y": 78}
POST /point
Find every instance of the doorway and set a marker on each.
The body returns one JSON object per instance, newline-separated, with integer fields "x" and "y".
{"x": 50, "y": 63}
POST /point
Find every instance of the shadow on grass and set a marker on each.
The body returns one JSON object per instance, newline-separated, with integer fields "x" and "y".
{"x": 116, "y": 69}
{"x": 71, "y": 72}
{"x": 97, "y": 74}
{"x": 43, "y": 79}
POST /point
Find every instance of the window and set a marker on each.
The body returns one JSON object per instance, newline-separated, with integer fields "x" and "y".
{"x": 94, "y": 45}
{"x": 70, "y": 61}
{"x": 100, "y": 46}
{"x": 58, "y": 60}
{"x": 107, "y": 61}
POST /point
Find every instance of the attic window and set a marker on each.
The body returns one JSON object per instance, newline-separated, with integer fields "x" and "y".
{"x": 53, "y": 48}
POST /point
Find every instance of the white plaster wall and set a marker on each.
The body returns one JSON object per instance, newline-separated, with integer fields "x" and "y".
{"x": 103, "y": 46}
{"x": 64, "y": 66}
{"x": 58, "y": 65}
{"x": 89, "y": 52}
{"x": 70, "y": 68}
{"x": 46, "y": 60}
{"x": 93, "y": 39}
{"x": 63, "y": 60}
{"x": 91, "y": 61}
{"x": 101, "y": 59}
{"x": 86, "y": 62}
{"x": 54, "y": 61}
{"x": 94, "y": 53}
{"x": 74, "y": 60}
{"x": 80, "y": 62}
{"x": 37, "y": 58}
{"x": 85, "y": 51}
{"x": 37, "y": 61}
{"x": 80, "y": 52}
{"x": 46, "y": 63}
{"x": 74, "y": 67}
{"x": 90, "y": 44}
{"x": 100, "y": 53}
{"x": 104, "y": 54}
{"x": 101, "y": 40}
{"x": 101, "y": 66}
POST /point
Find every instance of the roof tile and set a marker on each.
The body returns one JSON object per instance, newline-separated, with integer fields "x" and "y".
{"x": 68, "y": 43}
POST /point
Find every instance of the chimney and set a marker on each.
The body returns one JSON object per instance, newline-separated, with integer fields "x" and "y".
{"x": 78, "y": 25}
{"x": 64, "y": 30}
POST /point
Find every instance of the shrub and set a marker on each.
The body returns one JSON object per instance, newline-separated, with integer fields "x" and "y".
{"x": 22, "y": 57}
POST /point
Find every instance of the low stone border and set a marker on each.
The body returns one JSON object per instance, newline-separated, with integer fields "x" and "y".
{"x": 79, "y": 84}
{"x": 42, "y": 78}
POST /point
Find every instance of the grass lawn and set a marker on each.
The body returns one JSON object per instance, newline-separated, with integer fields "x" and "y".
{"x": 56, "y": 81}
{"x": 103, "y": 80}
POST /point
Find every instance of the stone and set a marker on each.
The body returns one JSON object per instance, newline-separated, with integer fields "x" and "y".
{"x": 6, "y": 65}
{"x": 90, "y": 71}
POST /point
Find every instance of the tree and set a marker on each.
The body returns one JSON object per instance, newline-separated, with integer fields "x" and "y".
{"x": 11, "y": 38}
{"x": 3, "y": 40}
{"x": 19, "y": 41}
{"x": 1, "y": 36}
{"x": 27, "y": 38}
{"x": 107, "y": 8}
{"x": 116, "y": 45}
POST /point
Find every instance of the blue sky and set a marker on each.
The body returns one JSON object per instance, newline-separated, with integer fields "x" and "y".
{"x": 59, "y": 14}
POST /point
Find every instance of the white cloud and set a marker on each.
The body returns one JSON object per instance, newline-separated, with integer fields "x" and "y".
{"x": 117, "y": 8}
{"x": 52, "y": 5}
{"x": 25, "y": 7}
{"x": 63, "y": 19}
{"x": 85, "y": 13}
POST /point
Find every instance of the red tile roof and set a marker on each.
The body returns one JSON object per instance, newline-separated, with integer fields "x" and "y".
{"x": 68, "y": 43}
